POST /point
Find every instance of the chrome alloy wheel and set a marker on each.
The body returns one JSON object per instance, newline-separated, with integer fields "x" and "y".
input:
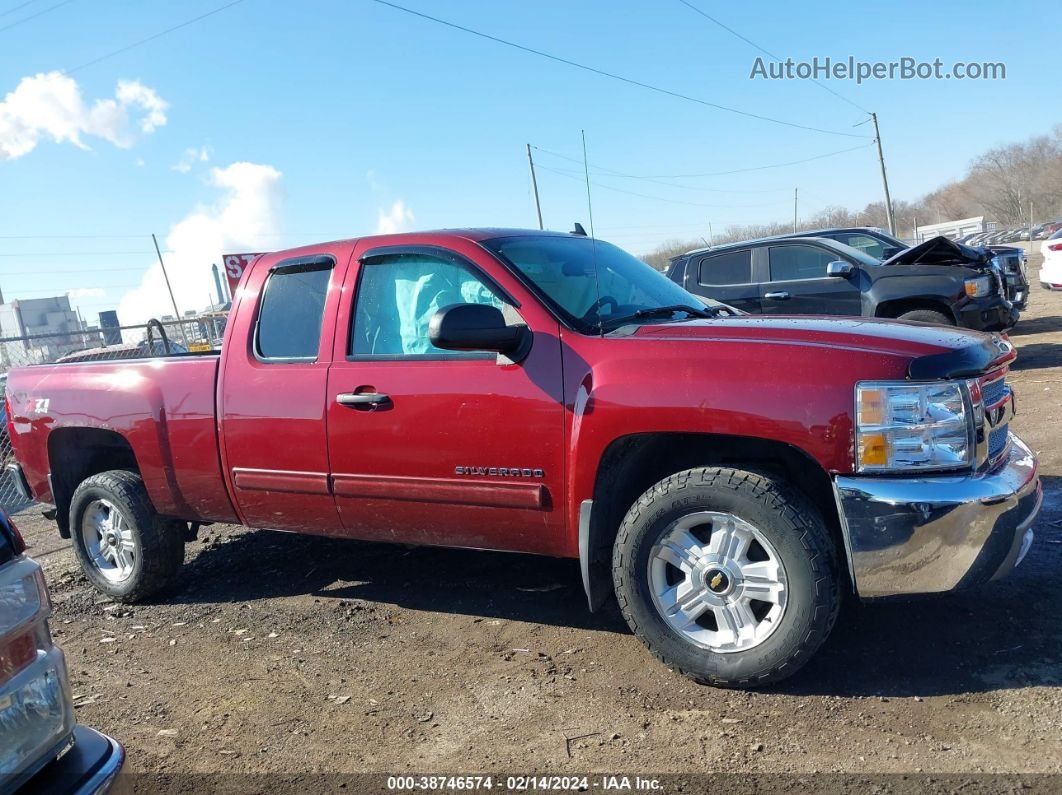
{"x": 108, "y": 540}
{"x": 718, "y": 581}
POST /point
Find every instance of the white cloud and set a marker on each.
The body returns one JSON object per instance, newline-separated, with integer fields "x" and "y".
{"x": 245, "y": 215}
{"x": 191, "y": 156}
{"x": 86, "y": 292}
{"x": 396, "y": 219}
{"x": 50, "y": 105}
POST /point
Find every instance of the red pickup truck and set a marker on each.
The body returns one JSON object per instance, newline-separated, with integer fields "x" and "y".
{"x": 726, "y": 477}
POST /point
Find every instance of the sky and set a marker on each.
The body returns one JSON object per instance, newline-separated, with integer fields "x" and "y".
{"x": 268, "y": 125}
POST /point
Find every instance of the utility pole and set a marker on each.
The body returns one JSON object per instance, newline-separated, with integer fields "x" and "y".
{"x": 166, "y": 276}
{"x": 884, "y": 179}
{"x": 534, "y": 184}
{"x": 795, "y": 191}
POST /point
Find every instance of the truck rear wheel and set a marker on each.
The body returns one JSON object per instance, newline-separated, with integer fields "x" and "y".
{"x": 124, "y": 547}
{"x": 728, "y": 576}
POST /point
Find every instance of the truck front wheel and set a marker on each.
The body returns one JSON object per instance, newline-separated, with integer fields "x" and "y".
{"x": 124, "y": 547}
{"x": 728, "y": 576}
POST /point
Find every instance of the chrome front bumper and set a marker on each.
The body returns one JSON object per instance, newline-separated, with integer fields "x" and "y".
{"x": 939, "y": 533}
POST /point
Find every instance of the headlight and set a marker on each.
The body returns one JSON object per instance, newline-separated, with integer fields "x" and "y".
{"x": 902, "y": 426}
{"x": 979, "y": 287}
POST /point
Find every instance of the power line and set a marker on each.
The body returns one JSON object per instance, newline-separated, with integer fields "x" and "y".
{"x": 158, "y": 35}
{"x": 620, "y": 174}
{"x": 612, "y": 173}
{"x": 659, "y": 198}
{"x": 612, "y": 75}
{"x": 753, "y": 44}
{"x": 49, "y": 9}
{"x": 17, "y": 8}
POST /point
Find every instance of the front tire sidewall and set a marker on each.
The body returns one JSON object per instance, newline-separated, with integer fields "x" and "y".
{"x": 123, "y": 491}
{"x": 803, "y": 625}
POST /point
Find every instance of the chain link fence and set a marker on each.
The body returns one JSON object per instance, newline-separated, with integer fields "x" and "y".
{"x": 201, "y": 332}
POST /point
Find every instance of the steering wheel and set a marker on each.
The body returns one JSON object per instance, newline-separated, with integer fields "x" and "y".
{"x": 598, "y": 305}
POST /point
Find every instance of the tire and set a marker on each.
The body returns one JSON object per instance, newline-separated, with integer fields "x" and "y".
{"x": 112, "y": 510}
{"x": 786, "y": 528}
{"x": 927, "y": 316}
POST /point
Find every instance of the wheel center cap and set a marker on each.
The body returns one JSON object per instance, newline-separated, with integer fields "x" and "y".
{"x": 717, "y": 580}
{"x": 111, "y": 539}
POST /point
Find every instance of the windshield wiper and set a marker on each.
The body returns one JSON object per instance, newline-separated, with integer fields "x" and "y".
{"x": 663, "y": 311}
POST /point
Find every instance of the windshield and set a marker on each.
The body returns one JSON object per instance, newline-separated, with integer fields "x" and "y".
{"x": 563, "y": 271}
{"x": 856, "y": 254}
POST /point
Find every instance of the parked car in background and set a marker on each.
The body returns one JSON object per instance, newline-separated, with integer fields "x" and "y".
{"x": 42, "y": 748}
{"x": 935, "y": 282}
{"x": 1051, "y": 270}
{"x": 1010, "y": 261}
{"x": 726, "y": 478}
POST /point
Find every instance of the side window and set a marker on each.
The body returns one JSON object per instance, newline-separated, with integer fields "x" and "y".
{"x": 734, "y": 267}
{"x": 866, "y": 244}
{"x": 289, "y": 320}
{"x": 397, "y": 296}
{"x": 789, "y": 263}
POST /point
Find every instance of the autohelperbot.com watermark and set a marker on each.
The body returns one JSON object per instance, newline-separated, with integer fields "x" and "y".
{"x": 850, "y": 68}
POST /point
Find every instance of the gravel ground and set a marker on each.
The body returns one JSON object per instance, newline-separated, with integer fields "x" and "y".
{"x": 293, "y": 654}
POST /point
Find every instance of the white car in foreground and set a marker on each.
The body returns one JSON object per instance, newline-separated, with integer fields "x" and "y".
{"x": 1051, "y": 270}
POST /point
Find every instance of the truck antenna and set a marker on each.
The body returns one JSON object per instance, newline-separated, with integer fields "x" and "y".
{"x": 593, "y": 237}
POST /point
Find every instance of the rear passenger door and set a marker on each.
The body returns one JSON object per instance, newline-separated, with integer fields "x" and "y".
{"x": 271, "y": 395}
{"x": 726, "y": 276}
{"x": 798, "y": 284}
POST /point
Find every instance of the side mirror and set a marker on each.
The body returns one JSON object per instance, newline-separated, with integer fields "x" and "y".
{"x": 839, "y": 268}
{"x": 890, "y": 251}
{"x": 478, "y": 327}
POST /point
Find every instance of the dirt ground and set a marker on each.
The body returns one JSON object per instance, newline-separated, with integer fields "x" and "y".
{"x": 292, "y": 654}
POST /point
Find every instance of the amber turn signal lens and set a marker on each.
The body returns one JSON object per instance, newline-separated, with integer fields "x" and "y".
{"x": 871, "y": 407}
{"x": 873, "y": 450}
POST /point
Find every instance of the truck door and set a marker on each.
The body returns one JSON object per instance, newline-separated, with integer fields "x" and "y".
{"x": 271, "y": 395}
{"x": 726, "y": 276}
{"x": 441, "y": 447}
{"x": 798, "y": 284}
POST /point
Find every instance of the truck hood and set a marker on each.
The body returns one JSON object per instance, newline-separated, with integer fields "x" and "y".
{"x": 941, "y": 251}
{"x": 932, "y": 351}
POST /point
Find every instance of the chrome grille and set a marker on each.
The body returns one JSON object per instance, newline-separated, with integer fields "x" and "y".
{"x": 996, "y": 396}
{"x": 997, "y": 441}
{"x": 994, "y": 391}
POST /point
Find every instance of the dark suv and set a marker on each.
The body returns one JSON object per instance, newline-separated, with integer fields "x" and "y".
{"x": 934, "y": 282}
{"x": 1010, "y": 260}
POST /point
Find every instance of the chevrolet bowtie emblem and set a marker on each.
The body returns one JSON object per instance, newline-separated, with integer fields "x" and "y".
{"x": 717, "y": 580}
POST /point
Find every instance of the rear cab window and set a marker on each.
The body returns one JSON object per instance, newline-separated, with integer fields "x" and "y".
{"x": 291, "y": 311}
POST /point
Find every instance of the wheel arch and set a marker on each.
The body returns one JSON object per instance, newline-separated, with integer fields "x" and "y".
{"x": 631, "y": 464}
{"x": 895, "y": 307}
{"x": 77, "y": 453}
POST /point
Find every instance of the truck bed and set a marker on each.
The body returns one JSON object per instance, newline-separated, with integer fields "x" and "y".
{"x": 161, "y": 407}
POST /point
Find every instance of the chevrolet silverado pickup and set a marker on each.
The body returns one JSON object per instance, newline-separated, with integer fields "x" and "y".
{"x": 726, "y": 478}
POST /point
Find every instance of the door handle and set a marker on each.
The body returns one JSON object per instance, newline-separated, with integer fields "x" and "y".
{"x": 358, "y": 399}
{"x": 779, "y": 296}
